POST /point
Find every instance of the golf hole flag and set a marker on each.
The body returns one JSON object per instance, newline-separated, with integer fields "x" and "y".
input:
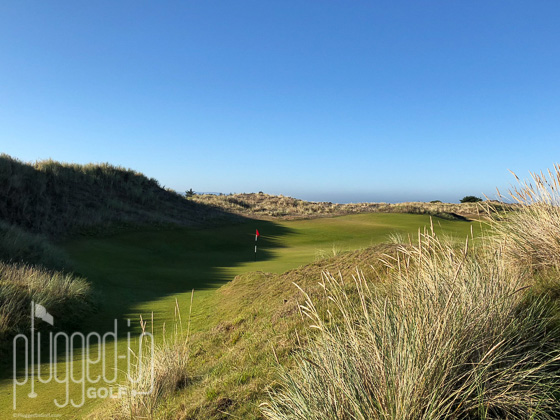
{"x": 257, "y": 234}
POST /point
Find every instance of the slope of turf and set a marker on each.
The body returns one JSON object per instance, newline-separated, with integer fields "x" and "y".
{"x": 145, "y": 271}
{"x": 141, "y": 272}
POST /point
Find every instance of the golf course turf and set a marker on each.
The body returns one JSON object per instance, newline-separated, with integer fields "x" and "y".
{"x": 144, "y": 272}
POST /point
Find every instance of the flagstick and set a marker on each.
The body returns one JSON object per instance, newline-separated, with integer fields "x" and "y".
{"x": 256, "y": 238}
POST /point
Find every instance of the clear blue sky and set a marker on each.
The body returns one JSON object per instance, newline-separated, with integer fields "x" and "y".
{"x": 318, "y": 99}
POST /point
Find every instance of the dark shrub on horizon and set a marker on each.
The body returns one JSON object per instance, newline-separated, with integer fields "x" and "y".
{"x": 470, "y": 199}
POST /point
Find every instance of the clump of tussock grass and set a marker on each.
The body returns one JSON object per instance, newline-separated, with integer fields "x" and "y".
{"x": 66, "y": 296}
{"x": 532, "y": 236}
{"x": 451, "y": 334}
{"x": 322, "y": 254}
{"x": 20, "y": 246}
{"x": 157, "y": 372}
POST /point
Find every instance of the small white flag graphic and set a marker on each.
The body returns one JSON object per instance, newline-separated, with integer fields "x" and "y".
{"x": 41, "y": 312}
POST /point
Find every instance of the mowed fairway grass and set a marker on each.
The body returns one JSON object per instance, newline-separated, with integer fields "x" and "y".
{"x": 144, "y": 272}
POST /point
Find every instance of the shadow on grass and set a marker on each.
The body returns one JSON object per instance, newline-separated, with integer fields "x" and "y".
{"x": 133, "y": 269}
{"x": 143, "y": 268}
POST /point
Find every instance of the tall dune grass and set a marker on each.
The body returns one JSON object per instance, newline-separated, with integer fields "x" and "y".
{"x": 66, "y": 296}
{"x": 532, "y": 236}
{"x": 157, "y": 372}
{"x": 451, "y": 334}
{"x": 20, "y": 246}
{"x": 279, "y": 206}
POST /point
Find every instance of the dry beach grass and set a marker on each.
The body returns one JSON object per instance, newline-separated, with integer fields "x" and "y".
{"x": 278, "y": 206}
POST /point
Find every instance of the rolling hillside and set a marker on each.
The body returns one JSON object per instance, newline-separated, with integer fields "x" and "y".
{"x": 57, "y": 199}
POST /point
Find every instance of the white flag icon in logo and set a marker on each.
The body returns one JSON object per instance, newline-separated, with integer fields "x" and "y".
{"x": 41, "y": 312}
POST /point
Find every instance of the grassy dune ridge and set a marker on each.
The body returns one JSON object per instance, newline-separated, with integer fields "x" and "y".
{"x": 58, "y": 198}
{"x": 279, "y": 206}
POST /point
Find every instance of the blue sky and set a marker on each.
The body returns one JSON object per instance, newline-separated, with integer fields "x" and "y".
{"x": 318, "y": 99}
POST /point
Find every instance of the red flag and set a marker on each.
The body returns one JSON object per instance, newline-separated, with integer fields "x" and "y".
{"x": 257, "y": 234}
